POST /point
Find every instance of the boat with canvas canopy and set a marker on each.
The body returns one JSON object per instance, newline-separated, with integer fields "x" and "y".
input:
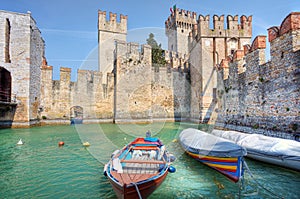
{"x": 278, "y": 151}
{"x": 220, "y": 154}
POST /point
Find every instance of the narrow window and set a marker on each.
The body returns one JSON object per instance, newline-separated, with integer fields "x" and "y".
{"x": 5, "y": 85}
{"x": 7, "y": 41}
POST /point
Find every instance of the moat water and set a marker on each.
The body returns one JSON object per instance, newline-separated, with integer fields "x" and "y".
{"x": 41, "y": 169}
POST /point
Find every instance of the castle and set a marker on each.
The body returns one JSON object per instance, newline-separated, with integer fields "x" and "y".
{"x": 211, "y": 76}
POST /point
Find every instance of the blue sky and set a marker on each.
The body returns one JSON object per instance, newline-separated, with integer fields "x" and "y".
{"x": 69, "y": 27}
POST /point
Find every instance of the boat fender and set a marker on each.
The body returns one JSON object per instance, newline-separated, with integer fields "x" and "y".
{"x": 172, "y": 169}
{"x": 105, "y": 169}
{"x": 115, "y": 153}
{"x": 172, "y": 157}
{"x": 61, "y": 143}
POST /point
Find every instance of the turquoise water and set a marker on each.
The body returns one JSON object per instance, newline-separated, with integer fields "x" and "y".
{"x": 41, "y": 169}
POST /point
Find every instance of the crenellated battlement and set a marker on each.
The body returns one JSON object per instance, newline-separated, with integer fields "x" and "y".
{"x": 232, "y": 22}
{"x": 233, "y": 27}
{"x": 177, "y": 28}
{"x": 65, "y": 75}
{"x": 218, "y": 22}
{"x": 246, "y": 22}
{"x": 177, "y": 60}
{"x": 181, "y": 19}
{"x": 239, "y": 56}
{"x": 290, "y": 23}
{"x": 112, "y": 25}
{"x": 130, "y": 53}
{"x": 183, "y": 14}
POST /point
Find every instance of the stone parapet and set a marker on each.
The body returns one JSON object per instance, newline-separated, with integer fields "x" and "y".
{"x": 112, "y": 25}
{"x": 233, "y": 28}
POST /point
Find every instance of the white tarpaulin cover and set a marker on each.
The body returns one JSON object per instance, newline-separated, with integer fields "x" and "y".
{"x": 257, "y": 144}
{"x": 203, "y": 143}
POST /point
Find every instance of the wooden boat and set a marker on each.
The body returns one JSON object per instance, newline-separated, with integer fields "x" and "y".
{"x": 139, "y": 168}
{"x": 220, "y": 154}
{"x": 278, "y": 151}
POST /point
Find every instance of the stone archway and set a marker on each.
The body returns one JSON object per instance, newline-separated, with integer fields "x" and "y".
{"x": 76, "y": 114}
{"x": 5, "y": 85}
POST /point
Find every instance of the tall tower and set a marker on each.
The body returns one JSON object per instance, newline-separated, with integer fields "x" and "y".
{"x": 108, "y": 32}
{"x": 209, "y": 47}
{"x": 178, "y": 26}
{"x": 20, "y": 69}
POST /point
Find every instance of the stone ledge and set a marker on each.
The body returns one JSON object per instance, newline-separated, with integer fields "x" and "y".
{"x": 246, "y": 129}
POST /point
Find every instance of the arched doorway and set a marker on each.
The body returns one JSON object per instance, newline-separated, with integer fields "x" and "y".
{"x": 76, "y": 113}
{"x": 5, "y": 85}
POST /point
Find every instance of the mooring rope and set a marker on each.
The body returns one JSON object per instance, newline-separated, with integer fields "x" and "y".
{"x": 260, "y": 185}
{"x": 137, "y": 190}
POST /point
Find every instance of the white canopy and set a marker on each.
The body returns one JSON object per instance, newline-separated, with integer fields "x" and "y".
{"x": 203, "y": 143}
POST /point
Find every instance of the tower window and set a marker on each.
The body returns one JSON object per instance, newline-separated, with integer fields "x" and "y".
{"x": 182, "y": 30}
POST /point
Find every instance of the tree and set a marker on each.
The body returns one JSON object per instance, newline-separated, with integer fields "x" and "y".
{"x": 158, "y": 57}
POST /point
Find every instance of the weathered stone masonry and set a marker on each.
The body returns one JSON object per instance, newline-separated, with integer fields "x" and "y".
{"x": 263, "y": 97}
{"x": 22, "y": 50}
{"x": 88, "y": 92}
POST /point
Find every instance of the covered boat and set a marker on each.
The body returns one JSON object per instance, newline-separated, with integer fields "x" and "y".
{"x": 139, "y": 168}
{"x": 218, "y": 153}
{"x": 282, "y": 152}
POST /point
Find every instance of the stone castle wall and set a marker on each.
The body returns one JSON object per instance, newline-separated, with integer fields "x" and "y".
{"x": 134, "y": 92}
{"x": 88, "y": 92}
{"x": 22, "y": 49}
{"x": 132, "y": 82}
{"x": 263, "y": 97}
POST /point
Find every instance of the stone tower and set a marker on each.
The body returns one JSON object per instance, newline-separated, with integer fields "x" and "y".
{"x": 108, "y": 32}
{"x": 207, "y": 48}
{"x": 21, "y": 54}
{"x": 178, "y": 26}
